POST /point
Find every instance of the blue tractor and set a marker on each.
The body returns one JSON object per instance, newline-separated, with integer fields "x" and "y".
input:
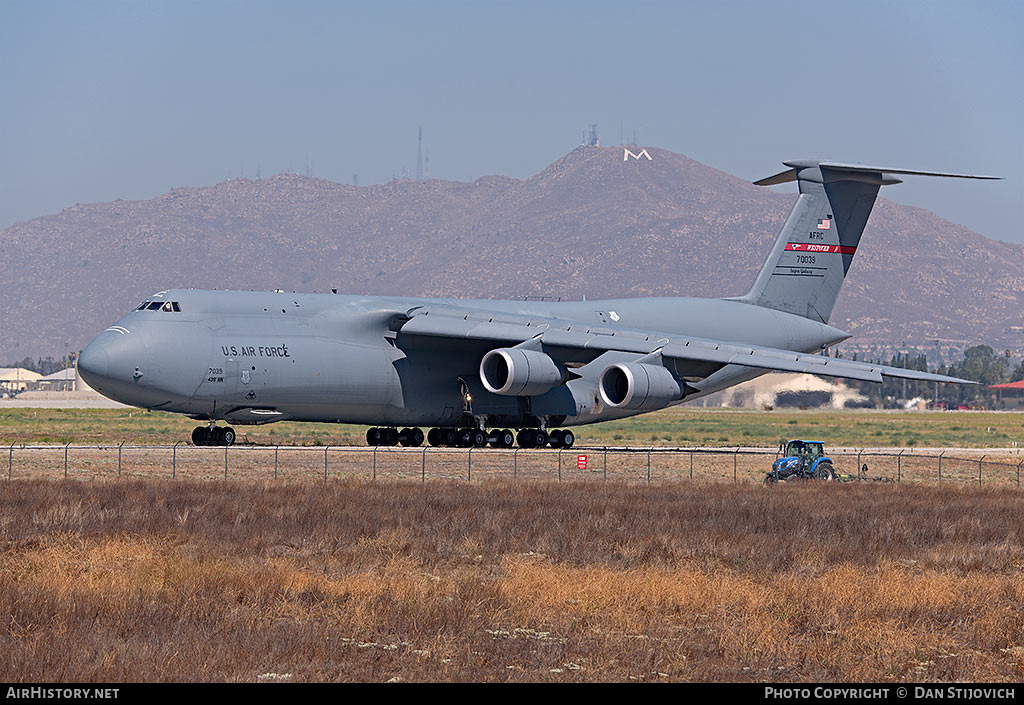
{"x": 803, "y": 460}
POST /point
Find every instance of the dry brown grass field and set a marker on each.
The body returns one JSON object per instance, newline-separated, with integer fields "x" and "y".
{"x": 145, "y": 579}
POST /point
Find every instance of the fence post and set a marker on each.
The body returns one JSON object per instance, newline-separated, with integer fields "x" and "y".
{"x": 515, "y": 464}
{"x": 1018, "y": 473}
{"x": 899, "y": 467}
{"x": 375, "y": 463}
{"x": 225, "y": 462}
{"x": 735, "y": 457}
{"x": 469, "y": 463}
{"x": 276, "y": 448}
{"x": 10, "y": 464}
{"x": 940, "y": 466}
{"x": 691, "y": 465}
{"x": 606, "y": 463}
{"x": 326, "y": 448}
{"x": 859, "y": 474}
{"x": 648, "y": 466}
{"x": 174, "y": 460}
{"x": 119, "y": 458}
{"x": 979, "y": 469}
{"x": 423, "y": 465}
{"x": 66, "y": 461}
{"x": 559, "y": 464}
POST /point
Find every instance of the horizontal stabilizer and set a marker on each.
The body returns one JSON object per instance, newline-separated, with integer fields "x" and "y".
{"x": 861, "y": 168}
{"x": 781, "y": 178}
{"x": 791, "y": 174}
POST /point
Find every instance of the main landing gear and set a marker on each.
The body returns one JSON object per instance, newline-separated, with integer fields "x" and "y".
{"x": 408, "y": 437}
{"x": 471, "y": 438}
{"x": 538, "y": 438}
{"x": 213, "y": 436}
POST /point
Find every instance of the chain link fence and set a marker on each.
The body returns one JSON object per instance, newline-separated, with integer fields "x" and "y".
{"x": 595, "y": 464}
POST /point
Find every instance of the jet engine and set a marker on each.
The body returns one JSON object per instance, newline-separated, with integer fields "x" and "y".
{"x": 639, "y": 386}
{"x": 520, "y": 372}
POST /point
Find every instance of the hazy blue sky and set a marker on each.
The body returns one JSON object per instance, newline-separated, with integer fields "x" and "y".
{"x": 105, "y": 100}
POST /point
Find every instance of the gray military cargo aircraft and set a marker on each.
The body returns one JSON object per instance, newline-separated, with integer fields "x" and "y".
{"x": 473, "y": 370}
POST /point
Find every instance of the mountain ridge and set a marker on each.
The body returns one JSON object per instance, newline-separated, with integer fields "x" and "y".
{"x": 589, "y": 224}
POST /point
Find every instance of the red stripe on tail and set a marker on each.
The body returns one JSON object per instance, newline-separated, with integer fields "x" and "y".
{"x": 814, "y": 247}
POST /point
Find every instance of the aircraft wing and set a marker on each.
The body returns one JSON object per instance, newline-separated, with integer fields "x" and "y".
{"x": 571, "y": 341}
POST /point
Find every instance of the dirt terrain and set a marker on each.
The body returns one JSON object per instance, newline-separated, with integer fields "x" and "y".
{"x": 353, "y": 580}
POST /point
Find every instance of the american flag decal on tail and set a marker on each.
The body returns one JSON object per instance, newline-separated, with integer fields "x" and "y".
{"x": 824, "y": 224}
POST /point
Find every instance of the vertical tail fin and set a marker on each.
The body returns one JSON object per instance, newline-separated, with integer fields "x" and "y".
{"x": 806, "y": 267}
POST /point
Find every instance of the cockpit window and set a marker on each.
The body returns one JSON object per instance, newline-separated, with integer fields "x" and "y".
{"x": 166, "y": 306}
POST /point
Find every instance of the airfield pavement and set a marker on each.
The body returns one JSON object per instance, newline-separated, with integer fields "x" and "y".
{"x": 17, "y": 403}
{"x": 580, "y": 464}
{"x": 676, "y": 444}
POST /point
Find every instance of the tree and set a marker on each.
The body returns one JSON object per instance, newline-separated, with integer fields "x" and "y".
{"x": 981, "y": 364}
{"x": 1018, "y": 372}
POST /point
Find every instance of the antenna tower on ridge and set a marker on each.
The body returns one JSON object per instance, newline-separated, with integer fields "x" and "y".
{"x": 419, "y": 157}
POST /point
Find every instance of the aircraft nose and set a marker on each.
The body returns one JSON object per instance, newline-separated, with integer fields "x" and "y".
{"x": 94, "y": 363}
{"x": 111, "y": 362}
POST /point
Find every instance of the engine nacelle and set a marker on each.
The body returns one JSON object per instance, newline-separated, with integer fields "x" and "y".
{"x": 519, "y": 372}
{"x": 639, "y": 386}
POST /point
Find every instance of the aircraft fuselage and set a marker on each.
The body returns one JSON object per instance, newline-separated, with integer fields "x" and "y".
{"x": 256, "y": 357}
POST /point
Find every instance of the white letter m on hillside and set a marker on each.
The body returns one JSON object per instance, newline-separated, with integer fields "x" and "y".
{"x": 626, "y": 154}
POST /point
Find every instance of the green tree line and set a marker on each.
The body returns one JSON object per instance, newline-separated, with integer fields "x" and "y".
{"x": 980, "y": 363}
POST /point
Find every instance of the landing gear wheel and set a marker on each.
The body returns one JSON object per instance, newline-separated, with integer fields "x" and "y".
{"x": 568, "y": 439}
{"x": 200, "y": 436}
{"x": 504, "y": 439}
{"x": 226, "y": 436}
{"x": 540, "y": 438}
{"x": 525, "y": 438}
{"x": 389, "y": 436}
{"x": 555, "y": 439}
{"x": 373, "y": 437}
{"x": 415, "y": 437}
{"x": 449, "y": 437}
{"x": 434, "y": 437}
{"x": 478, "y": 438}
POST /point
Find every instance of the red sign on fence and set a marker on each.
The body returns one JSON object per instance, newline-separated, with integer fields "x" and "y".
{"x": 581, "y": 462}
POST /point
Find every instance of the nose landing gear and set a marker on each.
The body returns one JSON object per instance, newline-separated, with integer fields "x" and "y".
{"x": 213, "y": 436}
